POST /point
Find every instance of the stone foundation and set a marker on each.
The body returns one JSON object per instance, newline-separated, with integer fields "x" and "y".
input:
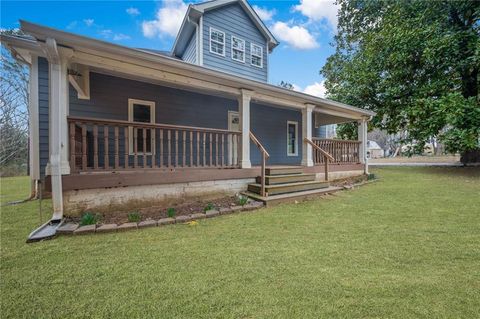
{"x": 339, "y": 175}
{"x": 122, "y": 198}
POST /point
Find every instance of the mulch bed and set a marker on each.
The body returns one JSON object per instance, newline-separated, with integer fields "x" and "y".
{"x": 186, "y": 207}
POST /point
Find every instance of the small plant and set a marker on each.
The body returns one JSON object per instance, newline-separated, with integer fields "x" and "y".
{"x": 171, "y": 212}
{"x": 242, "y": 200}
{"x": 89, "y": 219}
{"x": 371, "y": 176}
{"x": 134, "y": 217}
{"x": 209, "y": 206}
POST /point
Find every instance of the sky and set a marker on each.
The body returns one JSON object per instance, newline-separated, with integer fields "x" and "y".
{"x": 304, "y": 28}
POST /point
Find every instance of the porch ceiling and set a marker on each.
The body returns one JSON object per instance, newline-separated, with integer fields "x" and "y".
{"x": 327, "y": 119}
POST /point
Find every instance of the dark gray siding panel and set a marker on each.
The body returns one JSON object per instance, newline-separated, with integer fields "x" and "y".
{"x": 233, "y": 20}
{"x": 43, "y": 113}
{"x": 190, "y": 54}
{"x": 269, "y": 125}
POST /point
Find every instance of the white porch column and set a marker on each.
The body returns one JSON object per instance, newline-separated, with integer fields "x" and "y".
{"x": 362, "y": 137}
{"x": 244, "y": 112}
{"x": 307, "y": 151}
{"x": 58, "y": 164}
{"x": 34, "y": 151}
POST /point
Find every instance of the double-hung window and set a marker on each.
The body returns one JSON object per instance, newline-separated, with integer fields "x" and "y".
{"x": 217, "y": 42}
{"x": 256, "y": 52}
{"x": 139, "y": 112}
{"x": 292, "y": 138}
{"x": 238, "y": 49}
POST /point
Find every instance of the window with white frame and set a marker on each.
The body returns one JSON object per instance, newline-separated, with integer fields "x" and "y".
{"x": 238, "y": 49}
{"x": 140, "y": 111}
{"x": 292, "y": 138}
{"x": 217, "y": 42}
{"x": 256, "y": 52}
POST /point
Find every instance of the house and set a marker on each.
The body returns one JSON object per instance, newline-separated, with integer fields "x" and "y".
{"x": 374, "y": 150}
{"x": 111, "y": 124}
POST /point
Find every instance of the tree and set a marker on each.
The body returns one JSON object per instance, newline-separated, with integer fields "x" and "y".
{"x": 415, "y": 63}
{"x": 13, "y": 113}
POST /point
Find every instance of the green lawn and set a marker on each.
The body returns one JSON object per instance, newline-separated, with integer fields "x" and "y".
{"x": 407, "y": 246}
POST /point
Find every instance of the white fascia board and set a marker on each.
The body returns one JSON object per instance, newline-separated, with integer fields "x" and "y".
{"x": 104, "y": 49}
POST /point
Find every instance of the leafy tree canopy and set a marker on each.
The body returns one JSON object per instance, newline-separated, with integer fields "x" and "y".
{"x": 415, "y": 63}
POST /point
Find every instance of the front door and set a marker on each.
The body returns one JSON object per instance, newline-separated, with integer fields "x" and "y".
{"x": 233, "y": 125}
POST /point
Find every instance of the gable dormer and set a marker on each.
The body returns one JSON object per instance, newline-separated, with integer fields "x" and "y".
{"x": 228, "y": 36}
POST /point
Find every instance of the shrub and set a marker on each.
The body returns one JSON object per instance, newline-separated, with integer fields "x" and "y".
{"x": 89, "y": 219}
{"x": 209, "y": 206}
{"x": 371, "y": 176}
{"x": 171, "y": 212}
{"x": 242, "y": 200}
{"x": 134, "y": 217}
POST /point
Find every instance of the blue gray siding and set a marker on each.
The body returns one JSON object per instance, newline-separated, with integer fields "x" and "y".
{"x": 269, "y": 125}
{"x": 190, "y": 54}
{"x": 233, "y": 20}
{"x": 109, "y": 100}
{"x": 43, "y": 115}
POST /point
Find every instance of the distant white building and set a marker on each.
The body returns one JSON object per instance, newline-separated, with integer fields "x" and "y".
{"x": 374, "y": 150}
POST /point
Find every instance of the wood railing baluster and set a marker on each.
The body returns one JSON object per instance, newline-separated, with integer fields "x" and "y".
{"x": 161, "y": 148}
{"x": 204, "y": 148}
{"x": 95, "y": 147}
{"x": 216, "y": 149}
{"x": 191, "y": 149}
{"x": 176, "y": 148}
{"x": 126, "y": 145}
{"x": 72, "y": 147}
{"x": 198, "y": 149}
{"x": 211, "y": 150}
{"x": 144, "y": 150}
{"x": 169, "y": 150}
{"x": 184, "y": 148}
{"x": 105, "y": 148}
{"x": 135, "y": 147}
{"x": 117, "y": 158}
{"x": 222, "y": 152}
{"x": 84, "y": 146}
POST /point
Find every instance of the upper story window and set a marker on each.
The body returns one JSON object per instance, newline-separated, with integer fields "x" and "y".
{"x": 217, "y": 42}
{"x": 238, "y": 49}
{"x": 256, "y": 52}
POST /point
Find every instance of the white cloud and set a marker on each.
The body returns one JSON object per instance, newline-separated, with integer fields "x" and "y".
{"x": 168, "y": 20}
{"x": 318, "y": 10}
{"x": 120, "y": 37}
{"x": 264, "y": 13}
{"x": 106, "y": 33}
{"x": 133, "y": 11}
{"x": 296, "y": 36}
{"x": 72, "y": 25}
{"x": 316, "y": 89}
{"x": 88, "y": 22}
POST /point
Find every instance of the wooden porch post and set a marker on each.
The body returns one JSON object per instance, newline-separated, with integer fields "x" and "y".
{"x": 362, "y": 137}
{"x": 244, "y": 112}
{"x": 34, "y": 152}
{"x": 307, "y": 151}
{"x": 58, "y": 164}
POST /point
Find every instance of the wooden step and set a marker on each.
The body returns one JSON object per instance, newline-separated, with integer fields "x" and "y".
{"x": 290, "y": 197}
{"x": 283, "y": 170}
{"x": 290, "y": 178}
{"x": 287, "y": 188}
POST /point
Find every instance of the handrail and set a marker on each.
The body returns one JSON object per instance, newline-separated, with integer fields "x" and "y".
{"x": 318, "y": 148}
{"x": 265, "y": 155}
{"x": 148, "y": 125}
{"x": 259, "y": 145}
{"x": 327, "y": 156}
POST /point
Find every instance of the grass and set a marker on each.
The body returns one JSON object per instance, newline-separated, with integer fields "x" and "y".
{"x": 407, "y": 246}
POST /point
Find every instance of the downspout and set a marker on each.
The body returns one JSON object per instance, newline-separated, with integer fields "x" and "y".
{"x": 197, "y": 42}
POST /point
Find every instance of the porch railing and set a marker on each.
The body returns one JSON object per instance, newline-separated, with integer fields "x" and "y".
{"x": 265, "y": 156}
{"x": 342, "y": 151}
{"x": 97, "y": 144}
{"x": 325, "y": 155}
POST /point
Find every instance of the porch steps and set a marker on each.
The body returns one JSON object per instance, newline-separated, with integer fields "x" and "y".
{"x": 287, "y": 187}
{"x": 288, "y": 178}
{"x": 289, "y": 197}
{"x": 283, "y": 170}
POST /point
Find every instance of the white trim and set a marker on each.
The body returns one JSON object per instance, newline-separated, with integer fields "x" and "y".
{"x": 34, "y": 120}
{"x": 232, "y": 143}
{"x": 150, "y": 104}
{"x": 244, "y": 111}
{"x": 258, "y": 56}
{"x": 307, "y": 150}
{"x": 217, "y": 42}
{"x": 243, "y": 51}
{"x": 296, "y": 138}
{"x": 230, "y": 114}
{"x": 200, "y": 24}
